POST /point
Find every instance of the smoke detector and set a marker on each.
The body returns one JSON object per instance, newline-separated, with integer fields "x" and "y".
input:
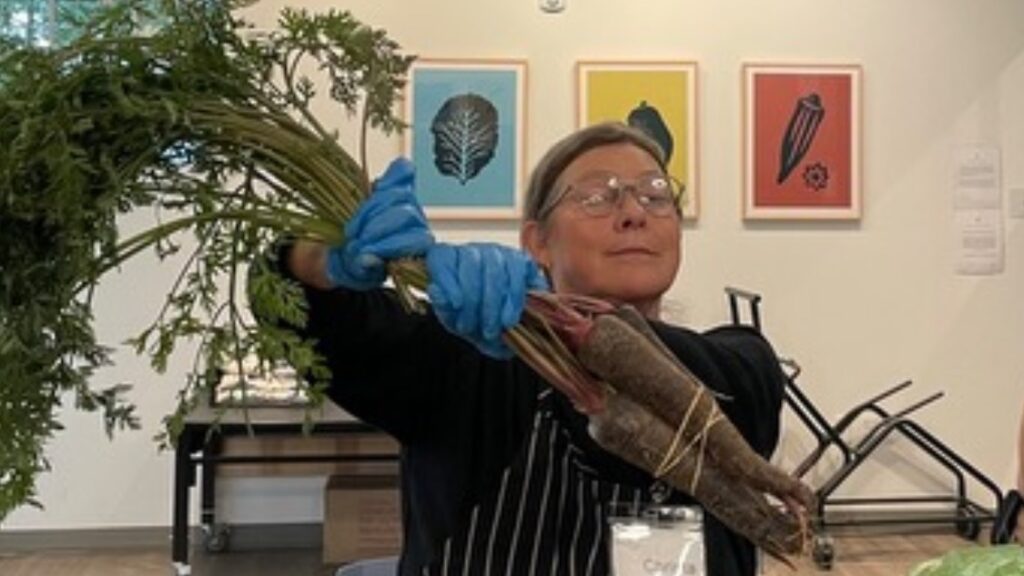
{"x": 552, "y": 6}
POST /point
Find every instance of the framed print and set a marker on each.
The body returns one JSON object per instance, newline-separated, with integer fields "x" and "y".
{"x": 659, "y": 98}
{"x": 801, "y": 142}
{"x": 466, "y": 136}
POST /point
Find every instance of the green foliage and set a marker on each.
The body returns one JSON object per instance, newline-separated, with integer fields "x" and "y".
{"x": 1005, "y": 560}
{"x": 208, "y": 127}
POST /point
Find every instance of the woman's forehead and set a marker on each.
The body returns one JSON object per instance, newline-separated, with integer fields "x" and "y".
{"x": 624, "y": 159}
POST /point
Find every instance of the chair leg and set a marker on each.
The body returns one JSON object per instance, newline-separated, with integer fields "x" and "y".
{"x": 1007, "y": 526}
{"x": 1020, "y": 456}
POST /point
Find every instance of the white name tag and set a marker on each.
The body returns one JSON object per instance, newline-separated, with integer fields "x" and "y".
{"x": 660, "y": 541}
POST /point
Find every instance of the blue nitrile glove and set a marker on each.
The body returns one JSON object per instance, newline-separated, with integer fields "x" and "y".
{"x": 479, "y": 290}
{"x": 389, "y": 224}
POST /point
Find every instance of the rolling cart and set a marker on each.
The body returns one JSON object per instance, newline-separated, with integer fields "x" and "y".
{"x": 200, "y": 445}
{"x": 965, "y": 514}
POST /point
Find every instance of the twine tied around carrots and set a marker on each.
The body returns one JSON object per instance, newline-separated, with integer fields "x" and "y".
{"x": 675, "y": 452}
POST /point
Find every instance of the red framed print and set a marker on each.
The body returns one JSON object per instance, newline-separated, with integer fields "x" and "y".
{"x": 801, "y": 142}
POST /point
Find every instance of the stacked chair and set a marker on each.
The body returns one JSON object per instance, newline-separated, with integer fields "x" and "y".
{"x": 964, "y": 514}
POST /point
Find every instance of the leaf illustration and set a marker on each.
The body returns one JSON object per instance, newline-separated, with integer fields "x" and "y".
{"x": 465, "y": 136}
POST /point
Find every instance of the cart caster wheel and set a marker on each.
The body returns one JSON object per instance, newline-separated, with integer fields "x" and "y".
{"x": 969, "y": 527}
{"x": 216, "y": 538}
{"x": 824, "y": 552}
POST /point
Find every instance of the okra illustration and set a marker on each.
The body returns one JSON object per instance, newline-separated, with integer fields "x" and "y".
{"x": 803, "y": 125}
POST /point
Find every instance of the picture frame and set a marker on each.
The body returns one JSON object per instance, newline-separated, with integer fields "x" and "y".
{"x": 801, "y": 141}
{"x": 466, "y": 136}
{"x": 658, "y": 96}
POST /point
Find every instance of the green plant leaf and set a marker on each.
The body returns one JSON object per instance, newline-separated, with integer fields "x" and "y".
{"x": 170, "y": 107}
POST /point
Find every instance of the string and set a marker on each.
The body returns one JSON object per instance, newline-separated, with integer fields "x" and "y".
{"x": 674, "y": 454}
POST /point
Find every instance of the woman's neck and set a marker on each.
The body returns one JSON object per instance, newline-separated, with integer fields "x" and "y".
{"x": 650, "y": 309}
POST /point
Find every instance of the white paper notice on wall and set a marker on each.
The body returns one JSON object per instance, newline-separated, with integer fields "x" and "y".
{"x": 979, "y": 234}
{"x": 978, "y": 211}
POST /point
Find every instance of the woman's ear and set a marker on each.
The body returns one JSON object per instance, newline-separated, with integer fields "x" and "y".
{"x": 533, "y": 240}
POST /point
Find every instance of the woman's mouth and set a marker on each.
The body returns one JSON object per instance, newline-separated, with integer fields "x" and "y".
{"x": 632, "y": 251}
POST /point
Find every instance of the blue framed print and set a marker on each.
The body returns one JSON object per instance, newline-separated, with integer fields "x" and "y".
{"x": 466, "y": 136}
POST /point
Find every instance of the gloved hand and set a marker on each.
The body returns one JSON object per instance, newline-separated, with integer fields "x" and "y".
{"x": 389, "y": 224}
{"x": 479, "y": 290}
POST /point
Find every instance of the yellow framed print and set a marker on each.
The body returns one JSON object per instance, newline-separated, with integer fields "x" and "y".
{"x": 657, "y": 97}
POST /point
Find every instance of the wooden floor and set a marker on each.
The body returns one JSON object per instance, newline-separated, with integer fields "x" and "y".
{"x": 153, "y": 562}
{"x": 856, "y": 555}
{"x": 879, "y": 555}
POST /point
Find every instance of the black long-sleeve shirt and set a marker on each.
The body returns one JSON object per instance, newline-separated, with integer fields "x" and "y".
{"x": 499, "y": 476}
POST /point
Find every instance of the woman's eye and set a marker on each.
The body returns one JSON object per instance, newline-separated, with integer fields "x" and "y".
{"x": 594, "y": 198}
{"x": 658, "y": 198}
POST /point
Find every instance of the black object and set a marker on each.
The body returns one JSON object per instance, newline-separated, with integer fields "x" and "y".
{"x": 966, "y": 515}
{"x": 803, "y": 125}
{"x": 465, "y": 132}
{"x": 1009, "y": 515}
{"x": 648, "y": 120}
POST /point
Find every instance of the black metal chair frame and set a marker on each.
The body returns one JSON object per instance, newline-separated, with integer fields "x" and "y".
{"x": 967, "y": 515}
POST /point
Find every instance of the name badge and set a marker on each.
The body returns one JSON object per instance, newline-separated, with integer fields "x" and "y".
{"x": 658, "y": 541}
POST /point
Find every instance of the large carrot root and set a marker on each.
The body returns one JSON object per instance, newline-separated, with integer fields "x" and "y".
{"x": 637, "y": 436}
{"x": 646, "y": 407}
{"x": 628, "y": 361}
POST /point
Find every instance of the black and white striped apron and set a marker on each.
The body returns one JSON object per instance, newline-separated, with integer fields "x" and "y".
{"x": 546, "y": 518}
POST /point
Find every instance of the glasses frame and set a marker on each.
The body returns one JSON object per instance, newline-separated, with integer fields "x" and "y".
{"x": 677, "y": 190}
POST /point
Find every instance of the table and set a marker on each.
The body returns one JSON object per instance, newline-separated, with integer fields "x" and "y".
{"x": 200, "y": 445}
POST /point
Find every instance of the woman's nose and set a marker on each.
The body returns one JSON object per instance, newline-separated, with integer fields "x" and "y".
{"x": 630, "y": 213}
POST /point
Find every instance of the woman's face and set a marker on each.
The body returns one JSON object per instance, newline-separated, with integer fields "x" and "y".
{"x": 628, "y": 255}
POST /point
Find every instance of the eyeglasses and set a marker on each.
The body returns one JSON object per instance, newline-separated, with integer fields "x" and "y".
{"x": 600, "y": 193}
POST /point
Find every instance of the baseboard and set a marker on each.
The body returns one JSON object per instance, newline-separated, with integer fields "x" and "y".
{"x": 275, "y": 536}
{"x": 89, "y": 538}
{"x": 241, "y": 537}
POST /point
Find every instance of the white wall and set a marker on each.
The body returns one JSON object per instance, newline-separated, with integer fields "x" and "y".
{"x": 860, "y": 306}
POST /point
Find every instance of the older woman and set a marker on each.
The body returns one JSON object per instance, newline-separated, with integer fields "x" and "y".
{"x": 499, "y": 475}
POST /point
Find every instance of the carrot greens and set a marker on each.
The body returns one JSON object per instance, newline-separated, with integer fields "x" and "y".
{"x": 191, "y": 115}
